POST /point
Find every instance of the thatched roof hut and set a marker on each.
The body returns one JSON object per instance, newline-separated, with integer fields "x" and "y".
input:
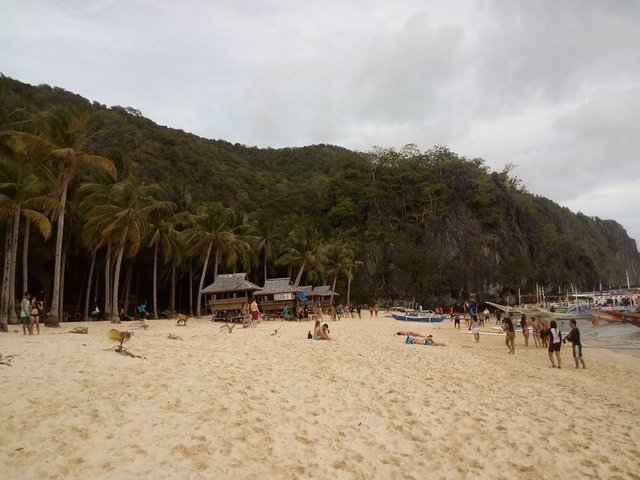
{"x": 229, "y": 291}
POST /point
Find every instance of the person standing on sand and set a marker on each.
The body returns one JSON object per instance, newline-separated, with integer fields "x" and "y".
{"x": 554, "y": 336}
{"x": 475, "y": 328}
{"x": 535, "y": 323}
{"x": 524, "y": 324}
{"x": 359, "y": 310}
{"x": 456, "y": 320}
{"x": 371, "y": 311}
{"x": 498, "y": 316}
{"x": 376, "y": 309}
{"x": 25, "y": 313}
{"x": 255, "y": 311}
{"x": 486, "y": 316}
{"x": 36, "y": 307}
{"x": 574, "y": 338}
{"x": 510, "y": 335}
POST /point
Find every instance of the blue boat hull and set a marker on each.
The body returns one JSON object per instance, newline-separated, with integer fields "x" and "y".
{"x": 421, "y": 319}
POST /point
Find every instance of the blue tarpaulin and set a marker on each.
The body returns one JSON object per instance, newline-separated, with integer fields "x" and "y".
{"x": 301, "y": 296}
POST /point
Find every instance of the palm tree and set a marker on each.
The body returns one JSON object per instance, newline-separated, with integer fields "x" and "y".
{"x": 20, "y": 196}
{"x": 68, "y": 133}
{"x": 302, "y": 252}
{"x": 164, "y": 238}
{"x": 120, "y": 213}
{"x": 211, "y": 229}
{"x": 268, "y": 240}
{"x": 337, "y": 260}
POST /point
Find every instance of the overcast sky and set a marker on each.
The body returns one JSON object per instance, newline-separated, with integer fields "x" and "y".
{"x": 552, "y": 86}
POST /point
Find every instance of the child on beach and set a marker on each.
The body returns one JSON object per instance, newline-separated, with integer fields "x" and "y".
{"x": 574, "y": 338}
{"x": 475, "y": 328}
{"x": 554, "y": 336}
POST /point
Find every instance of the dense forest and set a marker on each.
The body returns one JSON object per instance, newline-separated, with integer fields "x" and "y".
{"x": 102, "y": 206}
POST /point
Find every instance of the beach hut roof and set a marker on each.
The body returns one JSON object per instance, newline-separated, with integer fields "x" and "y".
{"x": 231, "y": 282}
{"x": 321, "y": 291}
{"x": 276, "y": 285}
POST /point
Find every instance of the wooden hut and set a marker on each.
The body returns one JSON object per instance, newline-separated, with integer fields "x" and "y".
{"x": 318, "y": 295}
{"x": 229, "y": 292}
{"x": 276, "y": 293}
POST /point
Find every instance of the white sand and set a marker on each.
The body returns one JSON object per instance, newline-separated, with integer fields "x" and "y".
{"x": 249, "y": 405}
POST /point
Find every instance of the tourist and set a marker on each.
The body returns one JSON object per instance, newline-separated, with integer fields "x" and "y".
{"x": 371, "y": 308}
{"x": 524, "y": 324}
{"x": 36, "y": 308}
{"x": 510, "y": 335}
{"x": 359, "y": 310}
{"x": 428, "y": 340}
{"x": 93, "y": 315}
{"x": 25, "y": 313}
{"x": 475, "y": 328}
{"x": 467, "y": 320}
{"x": 554, "y": 336}
{"x": 255, "y": 311}
{"x": 574, "y": 338}
{"x": 456, "y": 320}
{"x": 498, "y": 316}
{"x": 487, "y": 315}
{"x": 376, "y": 309}
{"x": 535, "y": 323}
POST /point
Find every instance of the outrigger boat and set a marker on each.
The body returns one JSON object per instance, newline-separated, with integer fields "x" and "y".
{"x": 626, "y": 317}
{"x": 513, "y": 310}
{"x": 427, "y": 316}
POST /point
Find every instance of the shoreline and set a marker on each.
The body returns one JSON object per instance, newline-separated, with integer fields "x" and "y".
{"x": 365, "y": 405}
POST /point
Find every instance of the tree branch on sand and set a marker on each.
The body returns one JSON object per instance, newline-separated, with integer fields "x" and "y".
{"x": 171, "y": 336}
{"x": 6, "y": 360}
{"x": 227, "y": 328}
{"x": 121, "y": 337}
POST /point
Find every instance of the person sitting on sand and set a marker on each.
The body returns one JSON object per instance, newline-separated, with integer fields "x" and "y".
{"x": 574, "y": 338}
{"x": 321, "y": 332}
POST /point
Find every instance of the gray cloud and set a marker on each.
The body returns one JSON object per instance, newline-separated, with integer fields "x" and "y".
{"x": 551, "y": 86}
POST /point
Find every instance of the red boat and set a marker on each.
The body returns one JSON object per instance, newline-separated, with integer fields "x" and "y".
{"x": 633, "y": 318}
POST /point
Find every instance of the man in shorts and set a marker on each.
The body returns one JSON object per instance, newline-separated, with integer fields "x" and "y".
{"x": 574, "y": 338}
{"x": 255, "y": 311}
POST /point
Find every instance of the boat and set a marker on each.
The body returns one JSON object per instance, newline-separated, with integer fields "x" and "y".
{"x": 514, "y": 310}
{"x": 626, "y": 317}
{"x": 426, "y": 316}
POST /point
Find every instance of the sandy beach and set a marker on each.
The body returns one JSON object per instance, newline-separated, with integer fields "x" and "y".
{"x": 252, "y": 405}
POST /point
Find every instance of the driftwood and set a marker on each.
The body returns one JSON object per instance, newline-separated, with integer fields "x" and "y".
{"x": 171, "y": 336}
{"x": 275, "y": 332}
{"x": 81, "y": 330}
{"x": 6, "y": 360}
{"x": 227, "y": 328}
{"x": 141, "y": 326}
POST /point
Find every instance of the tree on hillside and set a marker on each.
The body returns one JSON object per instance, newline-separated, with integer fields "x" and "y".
{"x": 67, "y": 134}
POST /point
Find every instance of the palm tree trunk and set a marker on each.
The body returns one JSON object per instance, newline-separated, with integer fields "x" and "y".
{"x": 4, "y": 304}
{"x": 265, "y": 267}
{"x": 204, "y": 273}
{"x": 127, "y": 288}
{"x": 215, "y": 267}
{"x": 14, "y": 260}
{"x": 63, "y": 271}
{"x": 116, "y": 277}
{"x": 89, "y": 281}
{"x": 54, "y": 319}
{"x": 349, "y": 288}
{"x": 299, "y": 276}
{"x": 155, "y": 280}
{"x": 191, "y": 287}
{"x": 333, "y": 287}
{"x": 173, "y": 286}
{"x": 25, "y": 256}
{"x": 107, "y": 282}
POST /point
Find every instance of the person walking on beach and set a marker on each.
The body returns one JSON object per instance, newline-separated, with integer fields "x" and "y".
{"x": 486, "y": 314}
{"x": 574, "y": 338}
{"x": 475, "y": 328}
{"x": 524, "y": 324}
{"x": 535, "y": 323}
{"x": 456, "y": 320}
{"x": 498, "y": 316}
{"x": 255, "y": 311}
{"x": 554, "y": 335}
{"x": 510, "y": 335}
{"x": 25, "y": 313}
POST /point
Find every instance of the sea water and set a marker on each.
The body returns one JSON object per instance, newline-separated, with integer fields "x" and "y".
{"x": 618, "y": 336}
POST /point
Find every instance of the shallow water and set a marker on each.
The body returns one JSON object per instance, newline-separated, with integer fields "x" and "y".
{"x": 622, "y": 337}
